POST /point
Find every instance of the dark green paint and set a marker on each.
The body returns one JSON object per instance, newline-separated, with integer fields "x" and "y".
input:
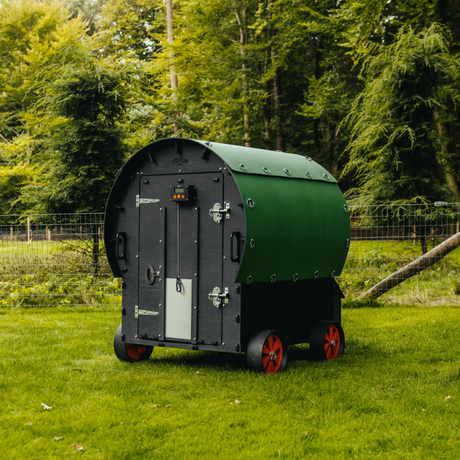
{"x": 254, "y": 160}
{"x": 300, "y": 226}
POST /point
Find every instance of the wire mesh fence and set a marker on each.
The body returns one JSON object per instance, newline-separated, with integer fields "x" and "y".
{"x": 51, "y": 260}
{"x": 385, "y": 238}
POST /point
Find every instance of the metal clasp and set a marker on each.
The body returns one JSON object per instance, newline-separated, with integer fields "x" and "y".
{"x": 216, "y": 212}
{"x": 216, "y": 297}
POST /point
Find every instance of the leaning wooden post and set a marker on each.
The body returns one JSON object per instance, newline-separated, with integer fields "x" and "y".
{"x": 413, "y": 268}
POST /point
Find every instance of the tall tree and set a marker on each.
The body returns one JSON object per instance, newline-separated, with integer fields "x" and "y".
{"x": 32, "y": 33}
{"x": 83, "y": 107}
{"x": 396, "y": 149}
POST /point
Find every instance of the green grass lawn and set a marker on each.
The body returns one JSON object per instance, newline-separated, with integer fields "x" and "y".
{"x": 394, "y": 394}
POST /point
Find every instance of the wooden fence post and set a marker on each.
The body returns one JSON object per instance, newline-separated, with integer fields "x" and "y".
{"x": 28, "y": 231}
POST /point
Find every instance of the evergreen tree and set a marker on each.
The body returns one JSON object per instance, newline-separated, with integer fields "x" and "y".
{"x": 396, "y": 148}
{"x": 85, "y": 149}
{"x": 32, "y": 33}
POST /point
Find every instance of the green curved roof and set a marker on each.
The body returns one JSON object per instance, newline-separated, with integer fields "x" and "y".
{"x": 248, "y": 160}
{"x": 296, "y": 226}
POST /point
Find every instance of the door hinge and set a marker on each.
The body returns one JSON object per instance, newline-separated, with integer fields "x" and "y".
{"x": 138, "y": 312}
{"x": 140, "y": 200}
{"x": 217, "y": 211}
{"x": 216, "y": 296}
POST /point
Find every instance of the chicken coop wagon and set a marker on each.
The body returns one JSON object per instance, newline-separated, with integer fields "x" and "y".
{"x": 227, "y": 248}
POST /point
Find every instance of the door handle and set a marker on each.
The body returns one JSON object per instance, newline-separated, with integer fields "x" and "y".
{"x": 235, "y": 257}
{"x": 120, "y": 244}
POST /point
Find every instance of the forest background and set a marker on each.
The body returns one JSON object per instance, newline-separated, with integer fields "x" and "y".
{"x": 367, "y": 88}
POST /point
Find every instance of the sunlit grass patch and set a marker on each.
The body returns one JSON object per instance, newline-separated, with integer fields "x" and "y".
{"x": 388, "y": 397}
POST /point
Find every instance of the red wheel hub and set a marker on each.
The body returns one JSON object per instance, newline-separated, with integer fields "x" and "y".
{"x": 272, "y": 354}
{"x": 332, "y": 342}
{"x": 135, "y": 352}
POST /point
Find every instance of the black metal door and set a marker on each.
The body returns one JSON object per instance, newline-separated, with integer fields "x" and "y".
{"x": 180, "y": 258}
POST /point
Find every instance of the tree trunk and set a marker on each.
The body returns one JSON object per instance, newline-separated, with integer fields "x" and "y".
{"x": 267, "y": 118}
{"x": 316, "y": 140}
{"x": 280, "y": 143}
{"x": 242, "y": 22}
{"x": 415, "y": 267}
{"x": 420, "y": 231}
{"x": 450, "y": 173}
{"x": 266, "y": 108}
{"x": 172, "y": 70}
{"x": 336, "y": 154}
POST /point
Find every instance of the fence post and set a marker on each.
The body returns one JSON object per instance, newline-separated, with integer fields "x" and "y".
{"x": 11, "y": 233}
{"x": 28, "y": 230}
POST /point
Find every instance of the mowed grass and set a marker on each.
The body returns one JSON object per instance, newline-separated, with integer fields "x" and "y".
{"x": 35, "y": 247}
{"x": 394, "y": 394}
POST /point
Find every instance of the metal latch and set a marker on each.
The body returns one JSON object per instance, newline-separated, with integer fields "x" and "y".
{"x": 140, "y": 200}
{"x": 138, "y": 312}
{"x": 216, "y": 297}
{"x": 217, "y": 211}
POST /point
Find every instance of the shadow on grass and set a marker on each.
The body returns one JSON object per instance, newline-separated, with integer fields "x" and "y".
{"x": 201, "y": 359}
{"x": 351, "y": 302}
{"x": 227, "y": 361}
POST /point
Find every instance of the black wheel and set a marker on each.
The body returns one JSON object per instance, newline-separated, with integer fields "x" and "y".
{"x": 327, "y": 340}
{"x": 267, "y": 352}
{"x": 128, "y": 351}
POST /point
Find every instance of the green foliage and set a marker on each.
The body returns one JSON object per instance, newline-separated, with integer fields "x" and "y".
{"x": 276, "y": 74}
{"x": 395, "y": 147}
{"x": 30, "y": 33}
{"x": 12, "y": 179}
{"x": 88, "y": 10}
{"x": 129, "y": 29}
{"x": 86, "y": 148}
{"x": 52, "y": 273}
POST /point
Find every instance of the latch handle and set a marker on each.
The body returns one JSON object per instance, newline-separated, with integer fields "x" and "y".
{"x": 120, "y": 245}
{"x": 216, "y": 212}
{"x": 216, "y": 297}
{"x": 237, "y": 257}
{"x": 150, "y": 274}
